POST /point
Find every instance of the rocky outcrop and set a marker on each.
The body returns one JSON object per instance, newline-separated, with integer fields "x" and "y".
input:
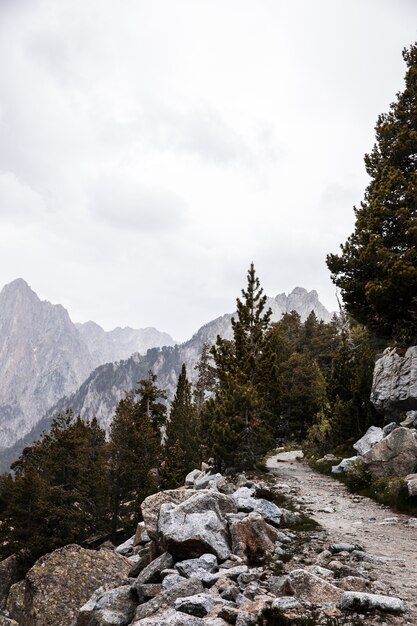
{"x": 395, "y": 455}
{"x": 59, "y": 583}
{"x": 196, "y": 526}
{"x": 242, "y": 587}
{"x": 394, "y": 387}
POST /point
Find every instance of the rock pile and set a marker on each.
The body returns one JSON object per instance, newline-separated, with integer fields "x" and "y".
{"x": 214, "y": 553}
{"x": 389, "y": 451}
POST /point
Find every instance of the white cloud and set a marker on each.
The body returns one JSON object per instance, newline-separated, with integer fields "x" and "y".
{"x": 150, "y": 151}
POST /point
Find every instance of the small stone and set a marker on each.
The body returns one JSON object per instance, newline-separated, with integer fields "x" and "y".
{"x": 285, "y": 603}
{"x": 365, "y": 602}
{"x": 126, "y": 547}
{"x": 198, "y": 605}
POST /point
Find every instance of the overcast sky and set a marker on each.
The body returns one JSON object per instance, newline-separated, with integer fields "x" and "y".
{"x": 150, "y": 150}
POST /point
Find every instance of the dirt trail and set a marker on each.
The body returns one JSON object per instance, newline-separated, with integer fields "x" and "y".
{"x": 354, "y": 519}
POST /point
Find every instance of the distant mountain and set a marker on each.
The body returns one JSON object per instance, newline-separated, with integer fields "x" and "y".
{"x": 100, "y": 393}
{"x": 44, "y": 356}
{"x": 120, "y": 343}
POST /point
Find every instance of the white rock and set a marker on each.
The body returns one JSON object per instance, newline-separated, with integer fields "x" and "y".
{"x": 370, "y": 438}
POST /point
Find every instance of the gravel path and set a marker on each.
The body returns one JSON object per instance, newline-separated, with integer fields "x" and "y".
{"x": 355, "y": 519}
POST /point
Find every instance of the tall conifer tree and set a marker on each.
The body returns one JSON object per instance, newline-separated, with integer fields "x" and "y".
{"x": 181, "y": 451}
{"x": 239, "y": 415}
{"x": 377, "y": 269}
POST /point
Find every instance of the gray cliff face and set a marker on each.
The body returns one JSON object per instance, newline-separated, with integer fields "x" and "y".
{"x": 42, "y": 358}
{"x": 120, "y": 343}
{"x": 45, "y": 357}
{"x": 300, "y": 300}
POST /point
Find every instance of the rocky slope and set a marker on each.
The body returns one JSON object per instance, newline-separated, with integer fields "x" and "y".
{"x": 221, "y": 551}
{"x": 44, "y": 356}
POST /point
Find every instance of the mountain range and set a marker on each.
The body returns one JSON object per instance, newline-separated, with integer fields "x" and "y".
{"x": 49, "y": 364}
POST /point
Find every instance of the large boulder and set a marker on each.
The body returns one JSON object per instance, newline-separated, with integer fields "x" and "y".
{"x": 151, "y": 506}
{"x": 396, "y": 455}
{"x": 196, "y": 526}
{"x": 394, "y": 387}
{"x": 61, "y": 582}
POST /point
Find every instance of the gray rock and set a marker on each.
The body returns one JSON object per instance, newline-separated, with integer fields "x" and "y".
{"x": 411, "y": 482}
{"x": 192, "y": 477}
{"x": 364, "y": 602}
{"x": 141, "y": 535}
{"x": 279, "y": 585}
{"x": 410, "y": 419}
{"x": 344, "y": 465}
{"x": 285, "y": 603}
{"x": 198, "y": 605}
{"x": 205, "y": 563}
{"x": 171, "y": 581}
{"x": 151, "y": 507}
{"x": 344, "y": 547}
{"x": 108, "y": 608}
{"x": 396, "y": 455}
{"x": 389, "y": 428}
{"x": 126, "y": 547}
{"x": 207, "y": 480}
{"x": 142, "y": 559}
{"x": 166, "y": 599}
{"x": 370, "y": 438}
{"x": 210, "y": 579}
{"x": 246, "y": 502}
{"x": 169, "y": 617}
{"x": 394, "y": 386}
{"x": 152, "y": 572}
{"x": 196, "y": 526}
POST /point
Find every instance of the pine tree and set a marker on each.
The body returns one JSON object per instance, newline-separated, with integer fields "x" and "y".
{"x": 59, "y": 494}
{"x": 151, "y": 401}
{"x": 205, "y": 377}
{"x": 377, "y": 269}
{"x": 181, "y": 450}
{"x": 239, "y": 415}
{"x": 135, "y": 450}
